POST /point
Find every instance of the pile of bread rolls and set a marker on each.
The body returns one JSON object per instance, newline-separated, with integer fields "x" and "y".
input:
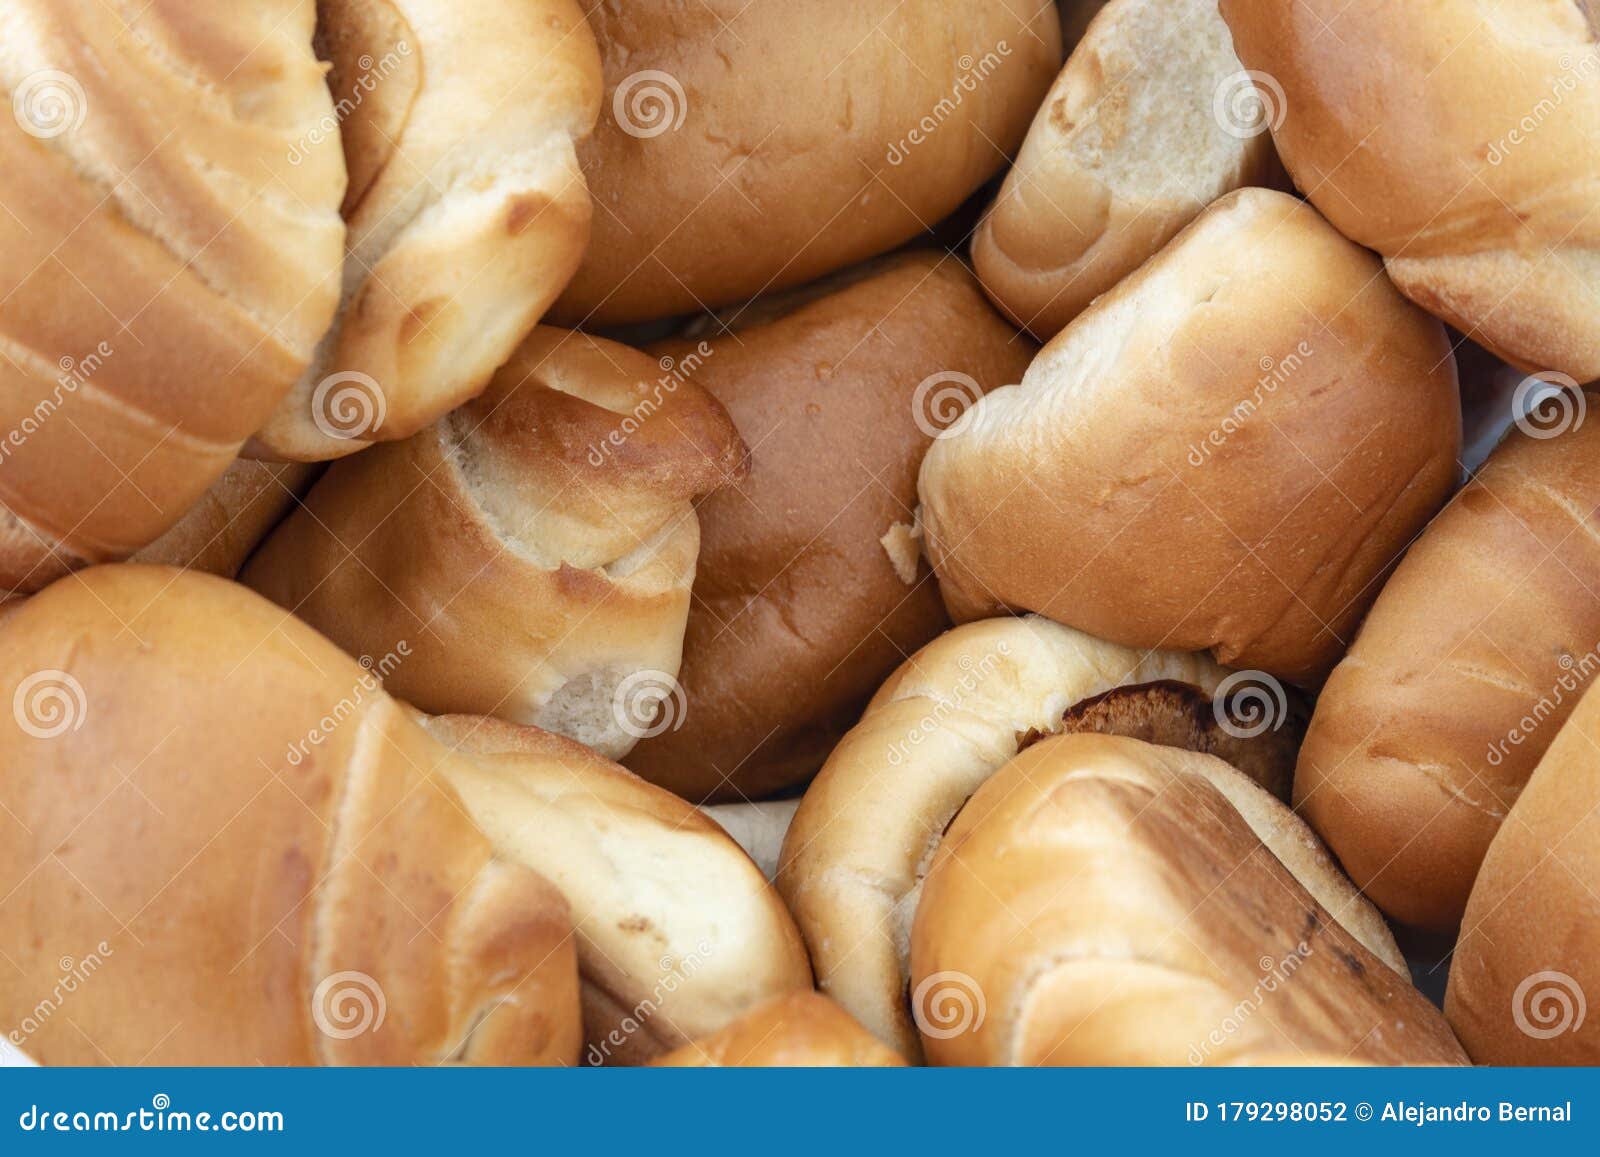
{"x": 849, "y": 534}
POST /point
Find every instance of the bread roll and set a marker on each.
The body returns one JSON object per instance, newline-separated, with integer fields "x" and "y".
{"x": 1225, "y": 452}
{"x": 800, "y": 1030}
{"x": 1461, "y": 140}
{"x": 1473, "y": 656}
{"x": 167, "y": 268}
{"x": 536, "y": 547}
{"x": 678, "y": 931}
{"x": 1528, "y": 960}
{"x": 952, "y": 716}
{"x": 1126, "y": 150}
{"x": 1104, "y": 901}
{"x": 231, "y": 518}
{"x": 467, "y": 211}
{"x": 223, "y": 844}
{"x": 748, "y": 145}
{"x": 810, "y": 588}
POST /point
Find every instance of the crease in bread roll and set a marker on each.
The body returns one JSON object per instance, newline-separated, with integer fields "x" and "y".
{"x": 168, "y": 269}
{"x": 1109, "y": 901}
{"x": 1226, "y": 452}
{"x": 1475, "y": 653}
{"x": 799, "y": 1030}
{"x": 535, "y": 548}
{"x": 678, "y": 931}
{"x": 261, "y": 845}
{"x": 1461, "y": 140}
{"x": 467, "y": 210}
{"x": 952, "y": 716}
{"x": 1528, "y": 960}
{"x": 1127, "y": 149}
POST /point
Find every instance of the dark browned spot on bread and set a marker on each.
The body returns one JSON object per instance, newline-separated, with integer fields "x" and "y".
{"x": 417, "y": 319}
{"x": 523, "y": 211}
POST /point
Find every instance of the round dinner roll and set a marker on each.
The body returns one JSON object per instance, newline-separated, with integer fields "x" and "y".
{"x": 1473, "y": 656}
{"x": 1227, "y": 451}
{"x": 810, "y": 588}
{"x": 535, "y": 548}
{"x": 467, "y": 211}
{"x": 1128, "y": 147}
{"x": 167, "y": 269}
{"x": 221, "y": 843}
{"x": 232, "y": 517}
{"x": 799, "y": 1030}
{"x": 748, "y": 145}
{"x": 1527, "y": 965}
{"x": 1461, "y": 140}
{"x": 1105, "y": 901}
{"x": 953, "y": 715}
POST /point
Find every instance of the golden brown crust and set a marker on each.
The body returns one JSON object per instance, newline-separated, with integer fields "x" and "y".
{"x": 1461, "y": 140}
{"x": 799, "y": 1030}
{"x": 1247, "y": 432}
{"x": 799, "y": 609}
{"x": 1102, "y": 900}
{"x": 256, "y": 846}
{"x": 167, "y": 268}
{"x": 232, "y": 517}
{"x": 1473, "y": 656}
{"x": 535, "y": 549}
{"x": 716, "y": 189}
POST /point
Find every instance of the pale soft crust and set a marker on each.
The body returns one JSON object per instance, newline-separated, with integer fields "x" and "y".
{"x": 232, "y": 517}
{"x": 953, "y": 715}
{"x": 1226, "y": 452}
{"x": 799, "y": 612}
{"x": 167, "y": 270}
{"x": 1461, "y": 140}
{"x": 800, "y": 1030}
{"x": 230, "y": 864}
{"x": 533, "y": 549}
{"x": 1125, "y": 151}
{"x": 1473, "y": 656}
{"x": 772, "y": 184}
{"x": 1527, "y": 966}
{"x": 1113, "y": 902}
{"x": 467, "y": 211}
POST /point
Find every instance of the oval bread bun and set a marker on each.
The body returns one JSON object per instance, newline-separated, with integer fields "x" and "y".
{"x": 1528, "y": 962}
{"x": 167, "y": 269}
{"x": 799, "y": 1030}
{"x": 1126, "y": 150}
{"x": 1473, "y": 656}
{"x": 1105, "y": 901}
{"x": 952, "y": 716}
{"x": 1226, "y": 452}
{"x": 810, "y": 589}
{"x": 1461, "y": 140}
{"x": 870, "y": 122}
